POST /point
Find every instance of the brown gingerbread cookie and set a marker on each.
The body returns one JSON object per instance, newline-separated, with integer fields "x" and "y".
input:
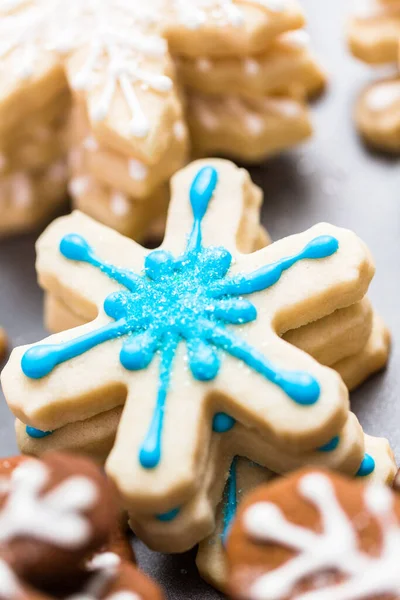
{"x": 315, "y": 535}
{"x": 61, "y": 534}
{"x": 54, "y": 511}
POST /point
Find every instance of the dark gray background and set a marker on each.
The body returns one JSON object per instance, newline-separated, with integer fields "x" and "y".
{"x": 332, "y": 178}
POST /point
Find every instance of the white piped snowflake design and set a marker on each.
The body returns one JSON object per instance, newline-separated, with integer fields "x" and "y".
{"x": 335, "y": 549}
{"x": 121, "y": 37}
{"x": 195, "y": 13}
{"x": 55, "y": 517}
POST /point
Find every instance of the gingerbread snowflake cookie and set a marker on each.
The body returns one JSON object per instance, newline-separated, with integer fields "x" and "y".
{"x": 198, "y": 314}
{"x": 60, "y": 536}
{"x": 316, "y": 535}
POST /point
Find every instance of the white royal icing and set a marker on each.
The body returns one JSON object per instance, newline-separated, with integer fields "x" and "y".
{"x": 104, "y": 560}
{"x": 197, "y": 13}
{"x": 125, "y": 595}
{"x": 334, "y": 549}
{"x": 58, "y": 171}
{"x": 9, "y": 586}
{"x": 119, "y": 204}
{"x": 298, "y": 39}
{"x": 22, "y": 190}
{"x": 116, "y": 36}
{"x": 78, "y": 186}
{"x": 3, "y": 162}
{"x": 180, "y": 131}
{"x": 204, "y": 64}
{"x": 54, "y": 517}
{"x": 383, "y": 96}
{"x": 138, "y": 170}
{"x": 251, "y": 66}
{"x": 90, "y": 143}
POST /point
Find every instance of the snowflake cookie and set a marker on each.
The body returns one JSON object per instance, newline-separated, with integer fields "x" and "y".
{"x": 113, "y": 56}
{"x": 186, "y": 331}
{"x": 316, "y": 536}
{"x": 61, "y": 535}
{"x": 226, "y": 27}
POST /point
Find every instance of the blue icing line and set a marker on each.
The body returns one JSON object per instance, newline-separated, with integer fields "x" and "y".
{"x": 298, "y": 385}
{"x": 330, "y": 446}
{"x": 223, "y": 423}
{"x": 190, "y": 298}
{"x": 37, "y": 434}
{"x": 168, "y": 516}
{"x": 367, "y": 466}
{"x": 150, "y": 452}
{"x": 230, "y": 506}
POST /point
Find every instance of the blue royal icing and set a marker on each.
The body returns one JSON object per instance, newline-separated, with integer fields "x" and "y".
{"x": 330, "y": 446}
{"x": 223, "y": 423}
{"x": 168, "y": 516}
{"x": 190, "y": 298}
{"x": 367, "y": 466}
{"x": 230, "y": 505}
{"x": 37, "y": 433}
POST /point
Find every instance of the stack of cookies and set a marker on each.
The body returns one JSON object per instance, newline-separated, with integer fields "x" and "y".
{"x": 34, "y": 102}
{"x": 247, "y": 72}
{"x": 145, "y": 82}
{"x": 374, "y": 33}
{"x": 188, "y": 364}
{"x": 236, "y": 74}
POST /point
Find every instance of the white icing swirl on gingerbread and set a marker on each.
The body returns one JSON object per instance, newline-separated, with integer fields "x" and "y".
{"x": 335, "y": 549}
{"x": 55, "y": 517}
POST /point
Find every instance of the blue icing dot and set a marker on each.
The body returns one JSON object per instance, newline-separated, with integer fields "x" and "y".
{"x": 39, "y": 361}
{"x": 367, "y": 466}
{"x": 74, "y": 247}
{"x": 37, "y": 433}
{"x": 189, "y": 299}
{"x": 168, "y": 516}
{"x": 223, "y": 423}
{"x": 330, "y": 446}
{"x": 202, "y": 190}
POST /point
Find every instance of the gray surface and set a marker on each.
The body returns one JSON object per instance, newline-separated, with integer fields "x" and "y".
{"x": 330, "y": 179}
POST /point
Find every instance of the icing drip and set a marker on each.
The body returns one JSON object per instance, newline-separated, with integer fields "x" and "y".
{"x": 335, "y": 548}
{"x": 199, "y": 13}
{"x": 190, "y": 298}
{"x": 55, "y": 517}
{"x": 230, "y": 506}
